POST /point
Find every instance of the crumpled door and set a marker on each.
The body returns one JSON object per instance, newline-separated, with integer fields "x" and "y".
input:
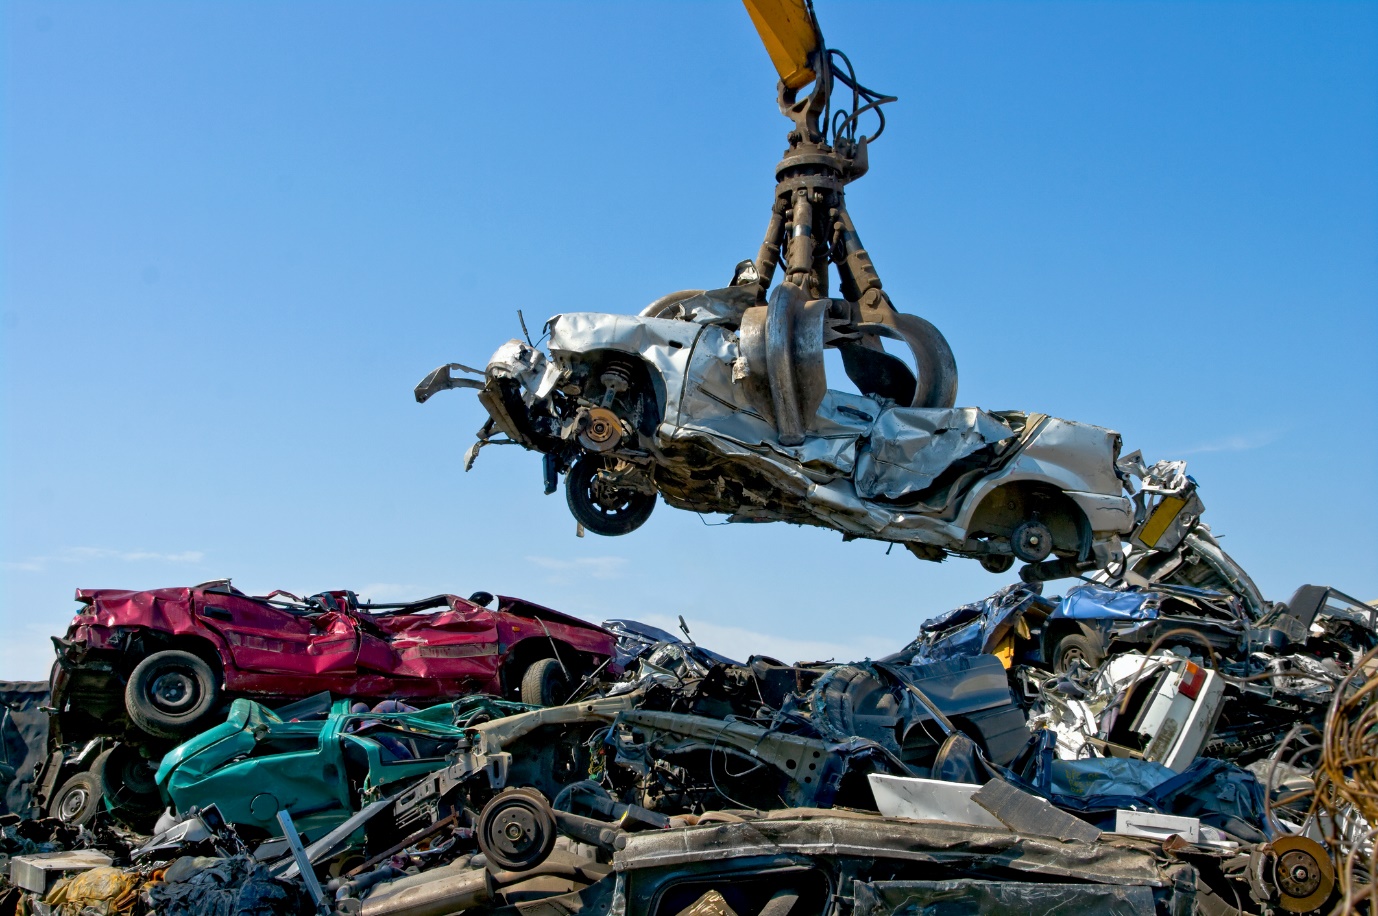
{"x": 266, "y": 638}
{"x": 456, "y": 641}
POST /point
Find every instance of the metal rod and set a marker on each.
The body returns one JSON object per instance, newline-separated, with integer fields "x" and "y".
{"x": 769, "y": 256}
{"x": 308, "y": 874}
{"x": 554, "y": 648}
{"x": 409, "y": 841}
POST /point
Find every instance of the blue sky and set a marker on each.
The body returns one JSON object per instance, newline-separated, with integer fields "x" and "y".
{"x": 236, "y": 235}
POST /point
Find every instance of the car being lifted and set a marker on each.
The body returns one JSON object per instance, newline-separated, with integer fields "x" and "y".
{"x": 631, "y": 407}
{"x": 139, "y": 671}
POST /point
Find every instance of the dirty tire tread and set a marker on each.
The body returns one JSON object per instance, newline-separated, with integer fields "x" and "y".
{"x": 83, "y": 780}
{"x": 837, "y": 699}
{"x": 851, "y": 692}
{"x": 161, "y": 723}
{"x": 542, "y": 682}
{"x": 126, "y": 803}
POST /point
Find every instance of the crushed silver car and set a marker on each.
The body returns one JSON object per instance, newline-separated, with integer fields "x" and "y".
{"x": 631, "y": 406}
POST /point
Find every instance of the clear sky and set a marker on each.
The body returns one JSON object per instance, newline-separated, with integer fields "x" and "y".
{"x": 235, "y": 235}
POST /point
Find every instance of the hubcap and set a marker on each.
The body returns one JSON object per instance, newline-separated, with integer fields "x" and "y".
{"x": 72, "y": 803}
{"x": 173, "y": 691}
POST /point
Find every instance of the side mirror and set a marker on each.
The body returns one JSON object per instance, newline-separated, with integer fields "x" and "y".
{"x": 441, "y": 380}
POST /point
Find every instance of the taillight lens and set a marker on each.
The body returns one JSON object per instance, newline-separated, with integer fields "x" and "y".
{"x": 1192, "y": 679}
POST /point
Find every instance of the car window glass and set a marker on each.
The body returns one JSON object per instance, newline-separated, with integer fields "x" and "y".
{"x": 285, "y": 744}
{"x": 1338, "y": 605}
{"x": 313, "y": 707}
{"x": 1337, "y": 602}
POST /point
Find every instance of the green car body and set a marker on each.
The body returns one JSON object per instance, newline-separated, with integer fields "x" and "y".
{"x": 255, "y": 764}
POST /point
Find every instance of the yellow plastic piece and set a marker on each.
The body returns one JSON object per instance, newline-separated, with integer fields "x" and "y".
{"x": 101, "y": 890}
{"x": 1004, "y": 650}
{"x": 787, "y": 31}
{"x": 1163, "y": 516}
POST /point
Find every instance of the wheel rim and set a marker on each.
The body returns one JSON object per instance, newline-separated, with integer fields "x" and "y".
{"x": 173, "y": 691}
{"x": 72, "y": 804}
{"x": 610, "y": 502}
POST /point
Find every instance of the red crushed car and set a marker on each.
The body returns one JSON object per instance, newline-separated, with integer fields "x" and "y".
{"x": 140, "y": 669}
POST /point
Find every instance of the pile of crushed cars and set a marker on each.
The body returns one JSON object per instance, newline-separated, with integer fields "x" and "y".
{"x": 1158, "y": 739}
{"x": 1147, "y": 742}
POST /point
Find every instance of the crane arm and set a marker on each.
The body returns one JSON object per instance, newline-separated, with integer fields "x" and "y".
{"x": 790, "y": 33}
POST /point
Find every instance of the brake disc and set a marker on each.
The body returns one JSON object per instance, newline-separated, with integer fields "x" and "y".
{"x": 602, "y": 432}
{"x": 1302, "y": 873}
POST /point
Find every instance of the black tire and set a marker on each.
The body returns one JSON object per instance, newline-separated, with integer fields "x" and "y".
{"x": 125, "y": 778}
{"x": 76, "y": 800}
{"x": 858, "y": 703}
{"x": 170, "y": 692}
{"x": 609, "y": 511}
{"x": 1076, "y": 646}
{"x": 545, "y": 683}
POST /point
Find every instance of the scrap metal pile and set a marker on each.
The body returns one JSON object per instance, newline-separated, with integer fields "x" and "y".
{"x": 1152, "y": 747}
{"x": 1160, "y": 738}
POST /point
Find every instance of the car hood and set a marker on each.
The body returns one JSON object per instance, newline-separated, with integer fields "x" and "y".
{"x": 1096, "y": 602}
{"x": 244, "y": 715}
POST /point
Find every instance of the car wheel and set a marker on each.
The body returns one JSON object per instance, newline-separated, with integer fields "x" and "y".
{"x": 545, "y": 683}
{"x": 76, "y": 800}
{"x": 1077, "y": 647}
{"x": 170, "y": 692}
{"x": 125, "y": 778}
{"x": 605, "y": 510}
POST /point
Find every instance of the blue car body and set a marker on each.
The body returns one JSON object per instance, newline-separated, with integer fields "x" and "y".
{"x": 1031, "y": 628}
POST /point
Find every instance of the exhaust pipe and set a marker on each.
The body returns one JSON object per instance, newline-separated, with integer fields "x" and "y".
{"x": 435, "y": 898}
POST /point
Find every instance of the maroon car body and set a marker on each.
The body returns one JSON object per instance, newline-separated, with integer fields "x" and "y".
{"x": 439, "y": 647}
{"x": 139, "y": 671}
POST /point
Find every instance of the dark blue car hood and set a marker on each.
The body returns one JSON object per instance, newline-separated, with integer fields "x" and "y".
{"x": 1096, "y": 602}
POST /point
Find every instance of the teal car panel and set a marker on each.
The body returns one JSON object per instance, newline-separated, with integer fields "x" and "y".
{"x": 255, "y": 764}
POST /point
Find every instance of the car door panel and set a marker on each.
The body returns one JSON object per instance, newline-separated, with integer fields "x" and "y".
{"x": 457, "y": 641}
{"x": 265, "y": 638}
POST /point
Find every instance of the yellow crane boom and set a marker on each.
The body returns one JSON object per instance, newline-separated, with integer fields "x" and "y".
{"x": 790, "y": 34}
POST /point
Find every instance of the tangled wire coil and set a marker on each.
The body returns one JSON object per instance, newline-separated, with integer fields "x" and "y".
{"x": 1345, "y": 803}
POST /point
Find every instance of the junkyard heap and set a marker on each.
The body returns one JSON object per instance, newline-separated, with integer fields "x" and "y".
{"x": 1160, "y": 738}
{"x": 1155, "y": 747}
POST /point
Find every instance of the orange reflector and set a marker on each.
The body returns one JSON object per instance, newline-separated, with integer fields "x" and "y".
{"x": 1192, "y": 679}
